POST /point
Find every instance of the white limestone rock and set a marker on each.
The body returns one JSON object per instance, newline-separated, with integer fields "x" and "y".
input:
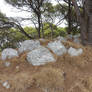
{"x": 7, "y": 64}
{"x": 76, "y": 36}
{"x": 6, "y": 85}
{"x": 77, "y": 40}
{"x": 29, "y": 45}
{"x": 69, "y": 36}
{"x": 75, "y": 52}
{"x": 57, "y": 47}
{"x": 9, "y": 53}
{"x": 60, "y": 38}
{"x": 40, "y": 56}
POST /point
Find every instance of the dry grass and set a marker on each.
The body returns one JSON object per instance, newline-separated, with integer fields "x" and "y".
{"x": 72, "y": 44}
{"x": 49, "y": 78}
{"x": 81, "y": 60}
{"x": 18, "y": 82}
{"x": 84, "y": 84}
{"x": 46, "y": 78}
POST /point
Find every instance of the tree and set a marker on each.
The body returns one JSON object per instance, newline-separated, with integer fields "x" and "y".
{"x": 8, "y": 36}
{"x": 85, "y": 20}
{"x": 32, "y": 6}
{"x": 69, "y": 15}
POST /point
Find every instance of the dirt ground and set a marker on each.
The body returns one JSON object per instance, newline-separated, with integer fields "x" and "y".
{"x": 67, "y": 74}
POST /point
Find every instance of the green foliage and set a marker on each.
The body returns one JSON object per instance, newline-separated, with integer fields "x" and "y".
{"x": 61, "y": 31}
{"x": 31, "y": 31}
{"x": 56, "y": 30}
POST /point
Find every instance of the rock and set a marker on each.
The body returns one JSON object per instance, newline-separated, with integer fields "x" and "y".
{"x": 60, "y": 38}
{"x": 7, "y": 64}
{"x": 9, "y": 53}
{"x": 57, "y": 47}
{"x": 29, "y": 45}
{"x": 69, "y": 36}
{"x": 77, "y": 40}
{"x": 75, "y": 52}
{"x": 40, "y": 56}
{"x": 6, "y": 85}
{"x": 76, "y": 36}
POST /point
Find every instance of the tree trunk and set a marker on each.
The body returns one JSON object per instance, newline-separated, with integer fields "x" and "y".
{"x": 88, "y": 10}
{"x": 69, "y": 17}
{"x": 39, "y": 26}
{"x": 85, "y": 21}
{"x": 51, "y": 27}
{"x": 42, "y": 25}
{"x": 90, "y": 30}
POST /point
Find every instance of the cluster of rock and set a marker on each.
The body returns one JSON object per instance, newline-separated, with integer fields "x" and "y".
{"x": 38, "y": 54}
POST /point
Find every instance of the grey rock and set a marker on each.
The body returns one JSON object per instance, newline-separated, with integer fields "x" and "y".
{"x": 60, "y": 38}
{"x": 57, "y": 47}
{"x": 40, "y": 56}
{"x": 6, "y": 85}
{"x": 75, "y": 52}
{"x": 76, "y": 36}
{"x": 29, "y": 45}
{"x": 9, "y": 53}
{"x": 77, "y": 40}
{"x": 69, "y": 36}
{"x": 7, "y": 64}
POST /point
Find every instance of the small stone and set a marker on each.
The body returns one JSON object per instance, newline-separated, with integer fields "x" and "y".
{"x": 6, "y": 85}
{"x": 7, "y": 64}
{"x": 60, "y": 38}
{"x": 76, "y": 36}
{"x": 77, "y": 40}
{"x": 17, "y": 67}
{"x": 75, "y": 52}
{"x": 70, "y": 37}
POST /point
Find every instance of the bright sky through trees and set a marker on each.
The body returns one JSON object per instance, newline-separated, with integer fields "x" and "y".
{"x": 11, "y": 11}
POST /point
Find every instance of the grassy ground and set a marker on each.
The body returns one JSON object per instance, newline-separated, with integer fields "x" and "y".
{"x": 67, "y": 74}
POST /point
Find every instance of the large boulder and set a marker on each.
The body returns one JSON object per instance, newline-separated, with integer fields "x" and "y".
{"x": 40, "y": 56}
{"x": 75, "y": 52}
{"x": 29, "y": 45}
{"x": 9, "y": 53}
{"x": 57, "y": 47}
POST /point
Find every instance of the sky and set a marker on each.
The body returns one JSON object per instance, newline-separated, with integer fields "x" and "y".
{"x": 10, "y": 11}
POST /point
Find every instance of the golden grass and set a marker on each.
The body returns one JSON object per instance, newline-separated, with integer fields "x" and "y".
{"x": 84, "y": 84}
{"x": 45, "y": 78}
{"x": 49, "y": 78}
